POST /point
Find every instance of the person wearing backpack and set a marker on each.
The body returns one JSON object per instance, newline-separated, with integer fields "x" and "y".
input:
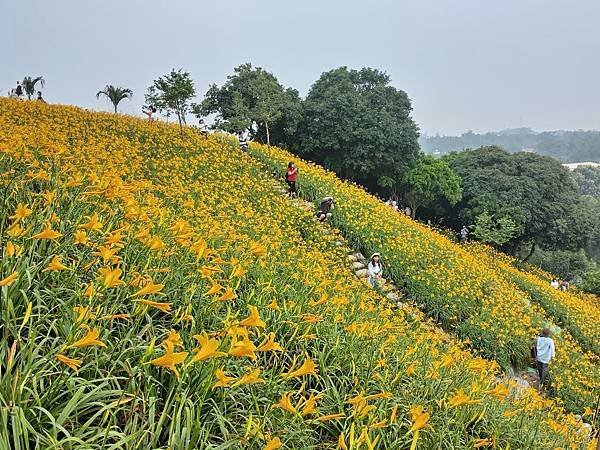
{"x": 291, "y": 174}
{"x": 543, "y": 351}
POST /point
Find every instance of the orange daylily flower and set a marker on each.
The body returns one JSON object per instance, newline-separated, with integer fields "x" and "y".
{"x": 48, "y": 233}
{"x": 71, "y": 363}
{"x": 55, "y": 265}
{"x": 150, "y": 288}
{"x": 227, "y": 295}
{"x": 307, "y": 368}
{"x": 208, "y": 348}
{"x": 253, "y": 320}
{"x": 7, "y": 281}
{"x": 164, "y": 307}
{"x": 90, "y": 339}
{"x": 222, "y": 379}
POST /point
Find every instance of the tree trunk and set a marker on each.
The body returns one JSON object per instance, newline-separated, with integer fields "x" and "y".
{"x": 180, "y": 124}
{"x": 267, "y": 131}
{"x": 115, "y": 105}
{"x": 530, "y": 252}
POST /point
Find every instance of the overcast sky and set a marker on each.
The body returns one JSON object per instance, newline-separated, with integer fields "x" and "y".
{"x": 466, "y": 64}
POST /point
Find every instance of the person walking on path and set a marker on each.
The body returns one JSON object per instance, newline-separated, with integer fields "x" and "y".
{"x": 243, "y": 140}
{"x": 375, "y": 269}
{"x": 291, "y": 174}
{"x": 323, "y": 212}
{"x": 464, "y": 234}
{"x": 544, "y": 352}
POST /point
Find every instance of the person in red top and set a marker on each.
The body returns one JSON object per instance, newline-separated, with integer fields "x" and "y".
{"x": 291, "y": 174}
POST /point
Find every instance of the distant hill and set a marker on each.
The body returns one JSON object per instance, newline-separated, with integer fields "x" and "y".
{"x": 566, "y": 146}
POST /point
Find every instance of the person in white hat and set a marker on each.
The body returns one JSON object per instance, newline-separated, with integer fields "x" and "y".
{"x": 375, "y": 269}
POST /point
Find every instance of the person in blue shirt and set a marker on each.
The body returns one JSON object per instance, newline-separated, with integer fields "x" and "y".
{"x": 544, "y": 352}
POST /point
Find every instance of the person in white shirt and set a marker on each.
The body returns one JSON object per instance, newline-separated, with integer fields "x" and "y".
{"x": 544, "y": 352}
{"x": 554, "y": 283}
{"x": 375, "y": 269}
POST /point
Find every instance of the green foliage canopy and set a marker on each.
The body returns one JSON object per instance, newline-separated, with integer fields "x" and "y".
{"x": 172, "y": 93}
{"x": 430, "y": 179}
{"x": 253, "y": 99}
{"x": 536, "y": 192}
{"x": 359, "y": 126}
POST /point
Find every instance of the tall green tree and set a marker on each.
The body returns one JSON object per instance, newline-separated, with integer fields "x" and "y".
{"x": 536, "y": 192}
{"x": 253, "y": 99}
{"x": 29, "y": 84}
{"x": 115, "y": 94}
{"x": 359, "y": 126}
{"x": 430, "y": 179}
{"x": 173, "y": 93}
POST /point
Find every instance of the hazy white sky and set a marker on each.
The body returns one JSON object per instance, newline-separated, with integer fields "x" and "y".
{"x": 466, "y": 64}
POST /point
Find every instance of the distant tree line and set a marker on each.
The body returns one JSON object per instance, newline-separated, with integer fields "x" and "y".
{"x": 566, "y": 146}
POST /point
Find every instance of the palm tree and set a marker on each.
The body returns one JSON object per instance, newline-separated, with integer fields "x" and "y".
{"x": 29, "y": 85}
{"x": 115, "y": 94}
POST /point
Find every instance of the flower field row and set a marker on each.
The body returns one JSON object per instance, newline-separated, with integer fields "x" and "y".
{"x": 456, "y": 288}
{"x": 576, "y": 314}
{"x": 155, "y": 292}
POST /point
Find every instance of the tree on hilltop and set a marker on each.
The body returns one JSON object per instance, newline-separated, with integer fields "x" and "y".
{"x": 358, "y": 125}
{"x": 115, "y": 94}
{"x": 29, "y": 84}
{"x": 253, "y": 99}
{"x": 172, "y": 93}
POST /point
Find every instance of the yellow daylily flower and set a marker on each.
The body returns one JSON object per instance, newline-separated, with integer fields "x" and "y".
{"x": 285, "y": 403}
{"x": 251, "y": 377}
{"x": 222, "y": 379}
{"x": 55, "y": 265}
{"x": 208, "y": 348}
{"x": 227, "y": 295}
{"x": 10, "y": 279}
{"x": 21, "y": 212}
{"x": 90, "y": 339}
{"x": 164, "y": 307}
{"x": 269, "y": 344}
{"x": 110, "y": 277}
{"x": 308, "y": 367}
{"x": 253, "y": 320}
{"x": 170, "y": 360}
{"x": 149, "y": 288}
{"x": 48, "y": 233}
{"x": 71, "y": 363}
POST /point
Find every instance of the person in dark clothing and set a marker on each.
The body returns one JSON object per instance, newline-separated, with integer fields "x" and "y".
{"x": 19, "y": 90}
{"x": 291, "y": 174}
{"x": 323, "y": 212}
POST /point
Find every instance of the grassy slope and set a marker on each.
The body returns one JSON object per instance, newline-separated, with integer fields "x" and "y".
{"x": 194, "y": 215}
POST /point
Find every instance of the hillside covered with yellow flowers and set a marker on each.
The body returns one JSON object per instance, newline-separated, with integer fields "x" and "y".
{"x": 157, "y": 292}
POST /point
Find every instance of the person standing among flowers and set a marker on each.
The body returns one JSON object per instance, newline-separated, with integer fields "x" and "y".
{"x": 291, "y": 174}
{"x": 544, "y": 352}
{"x": 375, "y": 269}
{"x": 243, "y": 140}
